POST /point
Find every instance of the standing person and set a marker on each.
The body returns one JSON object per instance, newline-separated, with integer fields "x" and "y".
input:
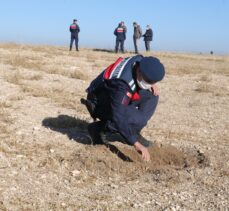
{"x": 74, "y": 29}
{"x": 137, "y": 35}
{"x": 148, "y": 37}
{"x": 124, "y": 97}
{"x": 120, "y": 33}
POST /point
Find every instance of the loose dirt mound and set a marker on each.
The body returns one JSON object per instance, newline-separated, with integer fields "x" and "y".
{"x": 122, "y": 158}
{"x": 47, "y": 161}
{"x": 125, "y": 161}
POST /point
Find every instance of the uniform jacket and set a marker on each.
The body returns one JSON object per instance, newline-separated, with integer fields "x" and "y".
{"x": 119, "y": 109}
{"x": 120, "y": 33}
{"x": 74, "y": 29}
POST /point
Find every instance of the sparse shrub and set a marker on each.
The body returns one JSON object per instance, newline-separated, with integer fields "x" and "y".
{"x": 78, "y": 75}
{"x": 204, "y": 87}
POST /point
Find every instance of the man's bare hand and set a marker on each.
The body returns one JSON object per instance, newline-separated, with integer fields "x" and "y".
{"x": 143, "y": 151}
{"x": 155, "y": 90}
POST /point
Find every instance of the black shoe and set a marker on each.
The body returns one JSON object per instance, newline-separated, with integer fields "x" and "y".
{"x": 96, "y": 130}
{"x": 90, "y": 107}
{"x": 144, "y": 141}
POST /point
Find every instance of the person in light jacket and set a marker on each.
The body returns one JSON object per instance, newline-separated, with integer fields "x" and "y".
{"x": 136, "y": 36}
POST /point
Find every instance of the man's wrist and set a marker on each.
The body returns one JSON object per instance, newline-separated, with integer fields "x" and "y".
{"x": 137, "y": 144}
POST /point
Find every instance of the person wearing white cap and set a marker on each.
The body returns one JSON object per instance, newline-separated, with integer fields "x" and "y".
{"x": 148, "y": 37}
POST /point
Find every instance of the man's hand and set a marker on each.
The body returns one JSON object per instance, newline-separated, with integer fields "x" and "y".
{"x": 143, "y": 151}
{"x": 155, "y": 90}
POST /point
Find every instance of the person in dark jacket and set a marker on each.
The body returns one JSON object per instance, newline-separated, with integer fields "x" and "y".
{"x": 124, "y": 97}
{"x": 148, "y": 37}
{"x": 120, "y": 33}
{"x": 136, "y": 36}
{"x": 74, "y": 29}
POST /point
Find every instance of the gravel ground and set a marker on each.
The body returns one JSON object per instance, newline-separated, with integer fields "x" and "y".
{"x": 47, "y": 163}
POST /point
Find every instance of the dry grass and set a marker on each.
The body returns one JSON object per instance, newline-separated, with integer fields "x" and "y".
{"x": 206, "y": 78}
{"x": 206, "y": 88}
{"x": 15, "y": 78}
{"x": 57, "y": 95}
{"x": 50, "y": 156}
{"x": 20, "y": 61}
{"x": 5, "y": 119}
{"x": 78, "y": 75}
{"x": 19, "y": 76}
{"x": 216, "y": 90}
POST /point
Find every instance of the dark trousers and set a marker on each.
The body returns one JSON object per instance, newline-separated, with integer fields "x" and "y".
{"x": 147, "y": 45}
{"x": 74, "y": 38}
{"x": 135, "y": 44}
{"x": 136, "y": 115}
{"x": 121, "y": 43}
{"x": 131, "y": 118}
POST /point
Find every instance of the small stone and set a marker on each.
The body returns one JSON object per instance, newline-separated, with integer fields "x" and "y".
{"x": 19, "y": 132}
{"x": 201, "y": 151}
{"x": 173, "y": 209}
{"x": 113, "y": 186}
{"x": 119, "y": 198}
{"x": 177, "y": 207}
{"x": 14, "y": 172}
{"x": 75, "y": 173}
{"x": 52, "y": 150}
{"x": 135, "y": 205}
{"x": 43, "y": 176}
{"x": 158, "y": 203}
{"x": 20, "y": 156}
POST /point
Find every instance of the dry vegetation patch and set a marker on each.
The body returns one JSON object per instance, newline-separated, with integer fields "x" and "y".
{"x": 5, "y": 119}
{"x": 48, "y": 162}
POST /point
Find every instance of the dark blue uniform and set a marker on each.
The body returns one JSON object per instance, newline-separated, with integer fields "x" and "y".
{"x": 148, "y": 37}
{"x": 74, "y": 29}
{"x": 120, "y": 33}
{"x": 120, "y": 103}
{"x": 129, "y": 117}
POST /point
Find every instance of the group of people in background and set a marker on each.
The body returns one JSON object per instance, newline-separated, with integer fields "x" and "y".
{"x": 120, "y": 33}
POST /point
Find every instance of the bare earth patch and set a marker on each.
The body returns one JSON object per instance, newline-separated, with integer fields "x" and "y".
{"x": 47, "y": 162}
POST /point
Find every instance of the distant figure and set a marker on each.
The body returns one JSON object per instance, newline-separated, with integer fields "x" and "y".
{"x": 211, "y": 52}
{"x": 74, "y": 29}
{"x": 120, "y": 33}
{"x": 148, "y": 37}
{"x": 137, "y": 35}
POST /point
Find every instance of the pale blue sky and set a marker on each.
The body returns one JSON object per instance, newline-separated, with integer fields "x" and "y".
{"x": 178, "y": 25}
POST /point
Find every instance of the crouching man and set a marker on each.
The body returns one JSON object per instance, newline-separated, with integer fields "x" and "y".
{"x": 124, "y": 97}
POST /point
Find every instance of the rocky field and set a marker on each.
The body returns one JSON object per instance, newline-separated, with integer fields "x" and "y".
{"x": 47, "y": 162}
